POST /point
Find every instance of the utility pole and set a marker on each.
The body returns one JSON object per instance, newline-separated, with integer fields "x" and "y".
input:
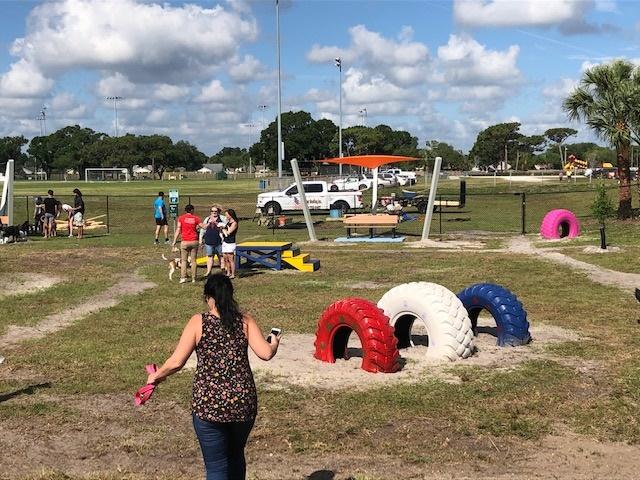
{"x": 279, "y": 92}
{"x": 115, "y": 111}
{"x": 338, "y": 62}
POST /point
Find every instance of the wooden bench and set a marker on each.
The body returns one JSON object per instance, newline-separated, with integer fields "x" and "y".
{"x": 372, "y": 222}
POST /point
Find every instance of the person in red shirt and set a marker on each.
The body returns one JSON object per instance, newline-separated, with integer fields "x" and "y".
{"x": 188, "y": 225}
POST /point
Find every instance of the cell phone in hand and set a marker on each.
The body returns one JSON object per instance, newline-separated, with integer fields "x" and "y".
{"x": 274, "y": 332}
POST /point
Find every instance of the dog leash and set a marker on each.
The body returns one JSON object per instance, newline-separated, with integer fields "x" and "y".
{"x": 144, "y": 393}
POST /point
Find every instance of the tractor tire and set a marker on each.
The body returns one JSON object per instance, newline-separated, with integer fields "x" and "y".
{"x": 379, "y": 345}
{"x": 272, "y": 208}
{"x": 560, "y": 223}
{"x": 504, "y": 307}
{"x": 446, "y": 320}
{"x": 340, "y": 205}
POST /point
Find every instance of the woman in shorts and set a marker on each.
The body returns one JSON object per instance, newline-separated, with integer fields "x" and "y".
{"x": 68, "y": 209}
{"x": 229, "y": 232}
{"x": 212, "y": 237}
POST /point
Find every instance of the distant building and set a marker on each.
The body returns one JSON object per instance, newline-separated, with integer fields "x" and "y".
{"x": 214, "y": 167}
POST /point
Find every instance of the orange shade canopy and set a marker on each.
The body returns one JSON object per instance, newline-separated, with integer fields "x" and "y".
{"x": 369, "y": 161}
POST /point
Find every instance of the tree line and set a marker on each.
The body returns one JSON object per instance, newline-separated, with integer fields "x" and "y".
{"x": 607, "y": 100}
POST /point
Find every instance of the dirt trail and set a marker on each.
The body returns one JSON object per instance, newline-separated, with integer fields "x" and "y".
{"x": 604, "y": 276}
{"x": 21, "y": 283}
{"x": 131, "y": 285}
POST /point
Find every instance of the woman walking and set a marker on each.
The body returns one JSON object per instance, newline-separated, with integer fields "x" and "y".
{"x": 229, "y": 242}
{"x": 224, "y": 404}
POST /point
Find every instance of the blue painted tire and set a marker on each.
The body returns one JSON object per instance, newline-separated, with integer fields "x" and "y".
{"x": 504, "y": 307}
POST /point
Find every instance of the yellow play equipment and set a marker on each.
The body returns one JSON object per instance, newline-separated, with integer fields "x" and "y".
{"x": 572, "y": 164}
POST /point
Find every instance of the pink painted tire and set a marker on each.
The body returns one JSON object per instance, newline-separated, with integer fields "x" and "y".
{"x": 560, "y": 223}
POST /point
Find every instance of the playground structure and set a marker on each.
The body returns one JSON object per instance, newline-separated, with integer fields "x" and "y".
{"x": 560, "y": 223}
{"x": 573, "y": 163}
{"x": 274, "y": 255}
{"x": 6, "y": 201}
{"x": 450, "y": 320}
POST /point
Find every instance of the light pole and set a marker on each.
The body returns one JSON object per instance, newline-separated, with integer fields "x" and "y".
{"x": 338, "y": 62}
{"x": 262, "y": 108}
{"x": 279, "y": 92}
{"x": 250, "y": 126}
{"x": 115, "y": 111}
{"x": 363, "y": 114}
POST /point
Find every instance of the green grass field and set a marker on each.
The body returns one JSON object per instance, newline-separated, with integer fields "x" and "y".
{"x": 66, "y": 407}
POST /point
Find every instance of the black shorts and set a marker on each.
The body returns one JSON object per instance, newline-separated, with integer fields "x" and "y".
{"x": 161, "y": 221}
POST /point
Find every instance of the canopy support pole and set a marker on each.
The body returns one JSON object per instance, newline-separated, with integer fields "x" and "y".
{"x": 374, "y": 197}
{"x": 432, "y": 198}
{"x": 303, "y": 200}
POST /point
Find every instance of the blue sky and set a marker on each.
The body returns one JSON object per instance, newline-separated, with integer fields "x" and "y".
{"x": 442, "y": 70}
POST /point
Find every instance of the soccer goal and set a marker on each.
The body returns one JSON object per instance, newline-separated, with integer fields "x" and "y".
{"x": 114, "y": 174}
{"x": 6, "y": 200}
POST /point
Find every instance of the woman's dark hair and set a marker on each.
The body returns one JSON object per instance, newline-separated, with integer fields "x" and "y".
{"x": 77, "y": 192}
{"x": 220, "y": 288}
{"x": 232, "y": 213}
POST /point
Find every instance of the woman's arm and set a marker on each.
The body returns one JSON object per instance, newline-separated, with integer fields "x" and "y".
{"x": 230, "y": 228}
{"x": 263, "y": 349}
{"x": 183, "y": 351}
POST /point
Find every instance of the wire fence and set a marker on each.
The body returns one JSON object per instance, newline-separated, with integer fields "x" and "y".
{"x": 516, "y": 212}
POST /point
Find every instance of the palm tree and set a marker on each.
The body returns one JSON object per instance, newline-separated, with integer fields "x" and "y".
{"x": 608, "y": 101}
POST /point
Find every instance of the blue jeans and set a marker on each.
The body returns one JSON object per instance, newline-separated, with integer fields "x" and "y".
{"x": 222, "y": 446}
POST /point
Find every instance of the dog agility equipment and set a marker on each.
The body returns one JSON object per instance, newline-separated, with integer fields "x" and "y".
{"x": 379, "y": 345}
{"x": 449, "y": 329}
{"x": 275, "y": 255}
{"x": 144, "y": 393}
{"x": 504, "y": 307}
{"x": 559, "y": 223}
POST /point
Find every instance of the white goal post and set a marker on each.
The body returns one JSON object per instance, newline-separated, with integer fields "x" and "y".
{"x": 105, "y": 174}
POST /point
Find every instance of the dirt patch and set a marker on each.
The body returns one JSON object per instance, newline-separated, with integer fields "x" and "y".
{"x": 603, "y": 276}
{"x": 448, "y": 244}
{"x": 365, "y": 285}
{"x": 131, "y": 285}
{"x": 296, "y": 365}
{"x": 22, "y": 283}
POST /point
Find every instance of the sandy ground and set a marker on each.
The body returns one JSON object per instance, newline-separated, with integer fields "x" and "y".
{"x": 21, "y": 283}
{"x": 130, "y": 285}
{"x": 296, "y": 365}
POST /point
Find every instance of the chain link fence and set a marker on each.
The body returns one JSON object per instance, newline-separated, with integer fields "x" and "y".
{"x": 515, "y": 212}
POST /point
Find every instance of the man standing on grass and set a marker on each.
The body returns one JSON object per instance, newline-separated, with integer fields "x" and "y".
{"x": 188, "y": 225}
{"x": 160, "y": 214}
{"x": 51, "y": 206}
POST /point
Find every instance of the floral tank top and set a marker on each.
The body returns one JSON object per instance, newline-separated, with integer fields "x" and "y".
{"x": 223, "y": 386}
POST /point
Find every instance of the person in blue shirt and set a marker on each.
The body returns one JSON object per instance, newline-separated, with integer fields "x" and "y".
{"x": 160, "y": 214}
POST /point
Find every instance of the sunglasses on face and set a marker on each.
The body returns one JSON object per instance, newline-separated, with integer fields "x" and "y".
{"x": 214, "y": 211}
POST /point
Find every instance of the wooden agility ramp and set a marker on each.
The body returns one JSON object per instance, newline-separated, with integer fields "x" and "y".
{"x": 274, "y": 255}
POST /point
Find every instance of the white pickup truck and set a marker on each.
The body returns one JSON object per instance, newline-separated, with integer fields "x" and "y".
{"x": 318, "y": 195}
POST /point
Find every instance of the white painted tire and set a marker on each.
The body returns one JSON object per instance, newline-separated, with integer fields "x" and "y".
{"x": 441, "y": 312}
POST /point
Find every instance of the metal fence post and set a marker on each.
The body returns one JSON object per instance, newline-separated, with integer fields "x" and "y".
{"x": 27, "y": 202}
{"x": 524, "y": 213}
{"x": 440, "y": 214}
{"x": 108, "y": 218}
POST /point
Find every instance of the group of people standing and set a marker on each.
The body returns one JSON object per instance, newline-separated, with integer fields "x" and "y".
{"x": 47, "y": 210}
{"x": 216, "y": 233}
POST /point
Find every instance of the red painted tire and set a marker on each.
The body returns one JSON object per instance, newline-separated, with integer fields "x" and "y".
{"x": 379, "y": 344}
{"x": 560, "y": 223}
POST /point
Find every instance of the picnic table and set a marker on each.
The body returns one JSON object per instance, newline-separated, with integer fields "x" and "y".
{"x": 371, "y": 222}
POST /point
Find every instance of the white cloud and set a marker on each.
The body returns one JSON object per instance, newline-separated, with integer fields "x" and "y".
{"x": 465, "y": 61}
{"x": 246, "y": 70}
{"x": 509, "y": 13}
{"x": 214, "y": 92}
{"x": 66, "y": 105}
{"x": 170, "y": 93}
{"x": 143, "y": 41}
{"x": 560, "y": 89}
{"x": 402, "y": 61}
{"x": 24, "y": 80}
{"x": 157, "y": 116}
{"x": 360, "y": 90}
